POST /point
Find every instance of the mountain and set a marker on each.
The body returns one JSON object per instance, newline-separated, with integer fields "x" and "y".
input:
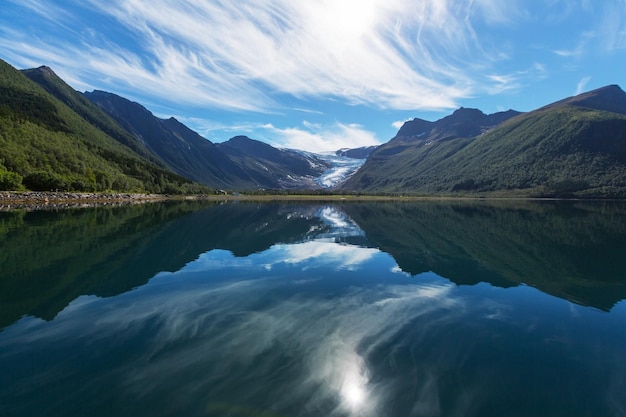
{"x": 274, "y": 168}
{"x": 240, "y": 163}
{"x": 571, "y": 148}
{"x": 53, "y": 137}
{"x": 53, "y": 84}
{"x": 46, "y": 144}
{"x": 463, "y": 123}
{"x": 356, "y": 153}
{"x": 610, "y": 98}
{"x": 182, "y": 150}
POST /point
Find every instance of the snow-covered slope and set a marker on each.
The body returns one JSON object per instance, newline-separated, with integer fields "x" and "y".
{"x": 341, "y": 168}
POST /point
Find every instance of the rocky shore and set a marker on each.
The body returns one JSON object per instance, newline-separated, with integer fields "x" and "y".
{"x": 38, "y": 200}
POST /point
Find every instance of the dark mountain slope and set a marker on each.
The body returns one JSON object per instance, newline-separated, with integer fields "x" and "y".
{"x": 272, "y": 167}
{"x": 183, "y": 150}
{"x": 463, "y": 123}
{"x": 418, "y": 147}
{"x": 45, "y": 145}
{"x": 240, "y": 163}
{"x": 610, "y": 98}
{"x": 572, "y": 148}
{"x": 357, "y": 153}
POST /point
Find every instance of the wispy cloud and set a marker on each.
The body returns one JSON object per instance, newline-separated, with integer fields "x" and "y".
{"x": 251, "y": 55}
{"x": 320, "y": 138}
{"x": 582, "y": 84}
{"x": 313, "y": 137}
{"x": 390, "y": 54}
{"x": 612, "y": 27}
{"x": 581, "y": 48}
{"x": 499, "y": 83}
{"x": 321, "y": 347}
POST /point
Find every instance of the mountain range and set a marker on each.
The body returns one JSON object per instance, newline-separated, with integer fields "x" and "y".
{"x": 54, "y": 137}
{"x": 239, "y": 163}
{"x": 575, "y": 147}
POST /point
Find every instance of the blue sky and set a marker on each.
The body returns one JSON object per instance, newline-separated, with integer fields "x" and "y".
{"x": 321, "y": 74}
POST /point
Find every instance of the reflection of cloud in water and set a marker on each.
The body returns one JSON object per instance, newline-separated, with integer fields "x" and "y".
{"x": 318, "y": 253}
{"x": 310, "y": 354}
{"x": 290, "y": 346}
{"x": 326, "y": 253}
{"x": 321, "y": 344}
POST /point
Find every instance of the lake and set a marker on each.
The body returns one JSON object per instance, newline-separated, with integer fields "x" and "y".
{"x": 451, "y": 308}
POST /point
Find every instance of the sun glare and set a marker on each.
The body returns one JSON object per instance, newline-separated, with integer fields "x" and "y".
{"x": 346, "y": 20}
{"x": 353, "y": 394}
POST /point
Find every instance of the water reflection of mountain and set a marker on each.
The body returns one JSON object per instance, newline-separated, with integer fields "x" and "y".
{"x": 47, "y": 259}
{"x": 573, "y": 250}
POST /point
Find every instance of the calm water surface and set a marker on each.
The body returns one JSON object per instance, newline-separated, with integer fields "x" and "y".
{"x": 354, "y": 309}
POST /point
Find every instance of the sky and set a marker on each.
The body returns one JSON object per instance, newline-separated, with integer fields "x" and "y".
{"x": 320, "y": 75}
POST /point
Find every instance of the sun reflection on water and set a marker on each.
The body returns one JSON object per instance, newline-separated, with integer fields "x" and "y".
{"x": 353, "y": 394}
{"x": 353, "y": 387}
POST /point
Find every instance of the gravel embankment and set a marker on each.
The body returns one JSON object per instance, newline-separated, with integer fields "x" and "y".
{"x": 45, "y": 200}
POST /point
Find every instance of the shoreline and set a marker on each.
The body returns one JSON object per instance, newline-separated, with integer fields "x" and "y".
{"x": 42, "y": 200}
{"x": 50, "y": 200}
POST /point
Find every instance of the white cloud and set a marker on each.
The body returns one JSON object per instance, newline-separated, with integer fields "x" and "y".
{"x": 582, "y": 84}
{"x": 399, "y": 123}
{"x": 339, "y": 256}
{"x": 499, "y": 83}
{"x": 612, "y": 27}
{"x": 249, "y": 55}
{"x": 320, "y": 138}
{"x": 391, "y": 54}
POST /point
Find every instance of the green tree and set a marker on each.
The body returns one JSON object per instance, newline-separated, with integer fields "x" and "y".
{"x": 10, "y": 181}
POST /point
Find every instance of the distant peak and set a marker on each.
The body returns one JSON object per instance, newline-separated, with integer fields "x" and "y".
{"x": 42, "y": 71}
{"x": 608, "y": 98}
{"x": 612, "y": 90}
{"x": 98, "y": 93}
{"x": 611, "y": 87}
{"x": 241, "y": 140}
{"x": 46, "y": 70}
{"x": 464, "y": 111}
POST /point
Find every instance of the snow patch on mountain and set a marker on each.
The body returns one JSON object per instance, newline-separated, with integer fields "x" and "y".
{"x": 340, "y": 168}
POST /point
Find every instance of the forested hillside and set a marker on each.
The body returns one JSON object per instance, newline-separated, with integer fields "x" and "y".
{"x": 572, "y": 148}
{"x": 46, "y": 145}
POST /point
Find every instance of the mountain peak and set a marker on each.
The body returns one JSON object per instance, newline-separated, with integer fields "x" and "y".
{"x": 609, "y": 98}
{"x": 42, "y": 71}
{"x": 240, "y": 138}
{"x": 250, "y": 146}
{"x": 415, "y": 128}
{"x": 47, "y": 70}
{"x": 463, "y": 122}
{"x": 464, "y": 112}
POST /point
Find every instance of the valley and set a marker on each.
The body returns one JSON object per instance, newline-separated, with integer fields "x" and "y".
{"x": 56, "y": 138}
